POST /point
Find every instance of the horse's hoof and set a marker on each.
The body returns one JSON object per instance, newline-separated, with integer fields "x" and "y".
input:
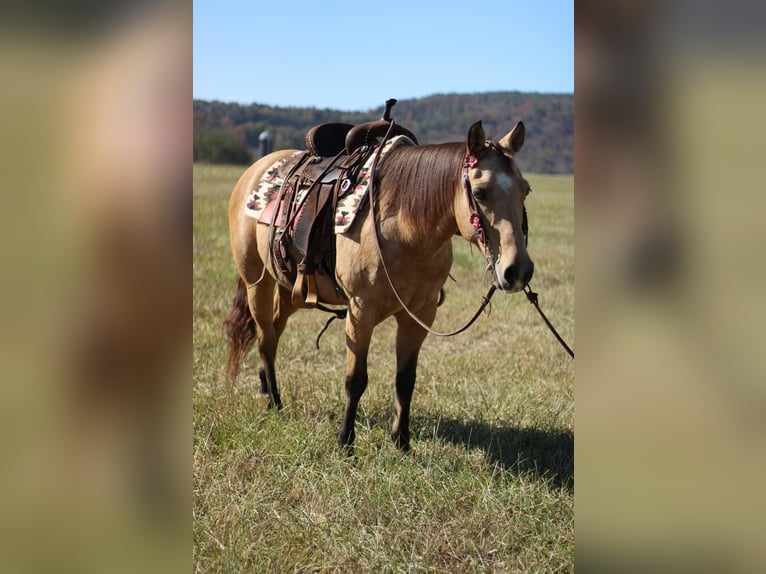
{"x": 401, "y": 442}
{"x": 346, "y": 453}
{"x": 271, "y": 404}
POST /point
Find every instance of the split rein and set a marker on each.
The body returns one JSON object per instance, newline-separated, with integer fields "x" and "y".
{"x": 532, "y": 298}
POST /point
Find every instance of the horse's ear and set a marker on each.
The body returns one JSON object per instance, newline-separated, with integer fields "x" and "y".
{"x": 476, "y": 140}
{"x": 514, "y": 139}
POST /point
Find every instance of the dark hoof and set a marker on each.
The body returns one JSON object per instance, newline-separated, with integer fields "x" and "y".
{"x": 346, "y": 444}
{"x": 346, "y": 454}
{"x": 271, "y": 404}
{"x": 401, "y": 442}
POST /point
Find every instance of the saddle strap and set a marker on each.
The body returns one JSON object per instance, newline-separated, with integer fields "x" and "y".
{"x": 305, "y": 288}
{"x": 305, "y": 236}
{"x": 272, "y": 223}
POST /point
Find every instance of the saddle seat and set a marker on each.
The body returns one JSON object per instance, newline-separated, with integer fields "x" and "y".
{"x": 330, "y": 139}
{"x": 327, "y": 140}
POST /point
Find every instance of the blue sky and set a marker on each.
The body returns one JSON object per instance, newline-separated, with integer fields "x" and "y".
{"x": 355, "y": 55}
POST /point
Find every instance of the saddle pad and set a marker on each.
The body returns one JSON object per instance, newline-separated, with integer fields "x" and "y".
{"x": 268, "y": 188}
{"x": 348, "y": 203}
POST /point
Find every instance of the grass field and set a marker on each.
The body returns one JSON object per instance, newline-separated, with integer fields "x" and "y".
{"x": 489, "y": 485}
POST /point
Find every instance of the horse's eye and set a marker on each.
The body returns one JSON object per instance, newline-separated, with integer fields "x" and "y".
{"x": 480, "y": 193}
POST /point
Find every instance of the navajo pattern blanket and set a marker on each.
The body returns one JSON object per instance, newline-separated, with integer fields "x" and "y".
{"x": 348, "y": 204}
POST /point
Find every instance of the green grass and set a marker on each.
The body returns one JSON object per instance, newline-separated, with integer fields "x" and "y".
{"x": 490, "y": 483}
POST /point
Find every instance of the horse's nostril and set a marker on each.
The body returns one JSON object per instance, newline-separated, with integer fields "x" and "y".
{"x": 530, "y": 270}
{"x": 519, "y": 273}
{"x": 511, "y": 274}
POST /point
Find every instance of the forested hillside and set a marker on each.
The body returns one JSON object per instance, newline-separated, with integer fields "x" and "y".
{"x": 228, "y": 132}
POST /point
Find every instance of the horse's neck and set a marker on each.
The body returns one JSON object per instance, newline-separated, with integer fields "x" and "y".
{"x": 425, "y": 236}
{"x": 420, "y": 193}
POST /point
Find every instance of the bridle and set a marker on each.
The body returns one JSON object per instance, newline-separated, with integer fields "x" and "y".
{"x": 476, "y": 217}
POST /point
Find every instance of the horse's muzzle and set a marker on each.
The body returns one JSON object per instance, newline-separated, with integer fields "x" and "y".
{"x": 517, "y": 275}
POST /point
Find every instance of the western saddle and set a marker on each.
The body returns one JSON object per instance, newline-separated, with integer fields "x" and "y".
{"x": 302, "y": 240}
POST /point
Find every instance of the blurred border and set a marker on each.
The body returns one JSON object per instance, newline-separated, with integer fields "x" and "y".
{"x": 95, "y": 221}
{"x": 670, "y": 382}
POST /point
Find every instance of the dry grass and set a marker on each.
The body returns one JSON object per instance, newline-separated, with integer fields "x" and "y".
{"x": 490, "y": 485}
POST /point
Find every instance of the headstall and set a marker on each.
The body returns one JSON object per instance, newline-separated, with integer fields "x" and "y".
{"x": 470, "y": 161}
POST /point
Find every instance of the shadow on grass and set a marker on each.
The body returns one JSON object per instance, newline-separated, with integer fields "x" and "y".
{"x": 548, "y": 453}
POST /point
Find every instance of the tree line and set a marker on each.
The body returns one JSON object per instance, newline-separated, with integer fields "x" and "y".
{"x": 229, "y": 132}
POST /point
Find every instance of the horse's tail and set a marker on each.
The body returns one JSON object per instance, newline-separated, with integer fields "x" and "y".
{"x": 239, "y": 327}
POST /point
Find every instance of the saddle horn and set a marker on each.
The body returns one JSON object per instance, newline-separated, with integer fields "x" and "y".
{"x": 390, "y": 103}
{"x": 365, "y": 134}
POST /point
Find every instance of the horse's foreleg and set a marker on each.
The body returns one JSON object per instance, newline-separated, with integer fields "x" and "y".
{"x": 358, "y": 334}
{"x": 409, "y": 339}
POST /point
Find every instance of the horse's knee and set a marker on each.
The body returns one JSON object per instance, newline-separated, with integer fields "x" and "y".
{"x": 356, "y": 384}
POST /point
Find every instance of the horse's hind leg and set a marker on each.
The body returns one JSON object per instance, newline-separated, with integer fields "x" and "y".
{"x": 283, "y": 308}
{"x": 268, "y": 327}
{"x": 409, "y": 340}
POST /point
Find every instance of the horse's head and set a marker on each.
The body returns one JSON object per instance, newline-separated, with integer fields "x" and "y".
{"x": 492, "y": 205}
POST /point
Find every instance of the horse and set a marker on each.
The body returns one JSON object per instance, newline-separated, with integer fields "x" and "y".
{"x": 391, "y": 262}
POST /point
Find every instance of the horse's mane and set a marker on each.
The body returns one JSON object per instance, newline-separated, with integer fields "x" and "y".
{"x": 423, "y": 178}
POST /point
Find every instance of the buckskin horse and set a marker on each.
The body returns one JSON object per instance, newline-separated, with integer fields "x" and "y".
{"x": 392, "y": 261}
